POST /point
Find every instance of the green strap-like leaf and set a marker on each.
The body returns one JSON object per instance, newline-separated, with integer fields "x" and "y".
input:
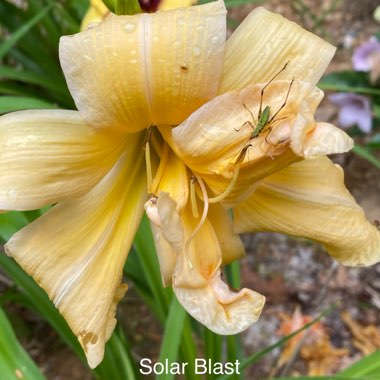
{"x": 16, "y": 103}
{"x": 118, "y": 360}
{"x": 15, "y": 363}
{"x": 368, "y": 368}
{"x": 30, "y": 77}
{"x": 172, "y": 336}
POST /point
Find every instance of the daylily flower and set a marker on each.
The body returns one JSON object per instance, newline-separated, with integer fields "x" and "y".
{"x": 354, "y": 110}
{"x": 173, "y": 74}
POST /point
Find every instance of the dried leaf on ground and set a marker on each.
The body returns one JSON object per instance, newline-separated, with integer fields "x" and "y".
{"x": 365, "y": 338}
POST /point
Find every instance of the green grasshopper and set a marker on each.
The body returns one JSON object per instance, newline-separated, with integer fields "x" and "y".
{"x": 264, "y": 119}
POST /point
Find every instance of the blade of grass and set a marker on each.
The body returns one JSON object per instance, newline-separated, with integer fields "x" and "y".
{"x": 68, "y": 15}
{"x": 11, "y": 222}
{"x": 15, "y": 36}
{"x": 234, "y": 345}
{"x": 213, "y": 348}
{"x": 48, "y": 24}
{"x": 15, "y": 363}
{"x": 172, "y": 336}
{"x": 188, "y": 349}
{"x": 118, "y": 362}
{"x": 36, "y": 44}
{"x": 29, "y": 77}
{"x": 12, "y": 88}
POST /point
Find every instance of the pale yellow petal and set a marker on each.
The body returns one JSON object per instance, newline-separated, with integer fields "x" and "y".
{"x": 309, "y": 199}
{"x": 77, "y": 250}
{"x": 167, "y": 233}
{"x": 186, "y": 59}
{"x": 199, "y": 287}
{"x": 212, "y": 139}
{"x": 212, "y": 302}
{"x": 133, "y": 71}
{"x": 324, "y": 139}
{"x": 49, "y": 156}
{"x": 171, "y": 177}
{"x": 218, "y": 138}
{"x": 248, "y": 178}
{"x": 263, "y": 43}
{"x": 230, "y": 243}
{"x": 197, "y": 280}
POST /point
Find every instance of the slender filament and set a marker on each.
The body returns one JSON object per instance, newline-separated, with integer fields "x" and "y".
{"x": 194, "y": 206}
{"x": 201, "y": 222}
{"x": 161, "y": 168}
{"x": 148, "y": 164}
{"x": 228, "y": 189}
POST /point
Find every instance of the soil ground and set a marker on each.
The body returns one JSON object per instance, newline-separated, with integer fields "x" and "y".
{"x": 292, "y": 273}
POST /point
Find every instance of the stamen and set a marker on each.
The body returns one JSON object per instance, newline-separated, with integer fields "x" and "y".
{"x": 201, "y": 222}
{"x": 161, "y": 167}
{"x": 194, "y": 206}
{"x": 229, "y": 188}
{"x": 148, "y": 164}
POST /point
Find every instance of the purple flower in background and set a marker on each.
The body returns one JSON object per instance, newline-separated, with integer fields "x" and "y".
{"x": 354, "y": 110}
{"x": 362, "y": 59}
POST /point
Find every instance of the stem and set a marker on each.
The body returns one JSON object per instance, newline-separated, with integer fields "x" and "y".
{"x": 127, "y": 7}
{"x": 110, "y": 4}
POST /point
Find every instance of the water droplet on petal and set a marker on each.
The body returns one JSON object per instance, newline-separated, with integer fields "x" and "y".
{"x": 177, "y": 43}
{"x": 215, "y": 39}
{"x": 129, "y": 27}
{"x": 197, "y": 51}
